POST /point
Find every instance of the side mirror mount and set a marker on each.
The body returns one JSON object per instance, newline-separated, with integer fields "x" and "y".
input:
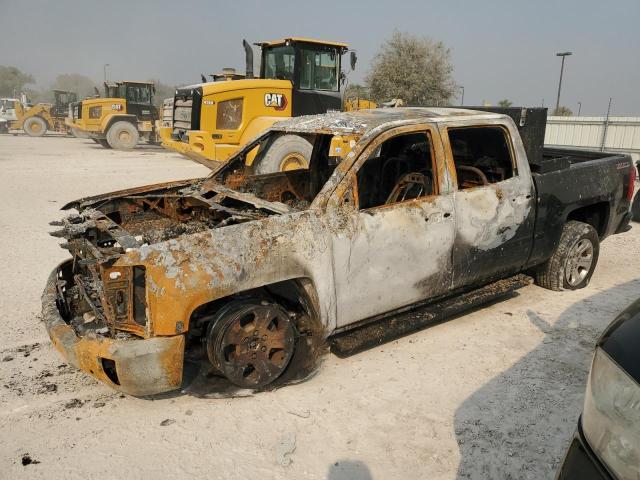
{"x": 353, "y": 59}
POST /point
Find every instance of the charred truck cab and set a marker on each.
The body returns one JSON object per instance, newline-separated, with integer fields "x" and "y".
{"x": 120, "y": 119}
{"x": 298, "y": 76}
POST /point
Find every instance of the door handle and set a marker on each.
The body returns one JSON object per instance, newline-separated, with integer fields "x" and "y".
{"x": 437, "y": 216}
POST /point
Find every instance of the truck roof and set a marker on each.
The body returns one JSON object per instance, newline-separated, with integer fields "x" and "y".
{"x": 362, "y": 121}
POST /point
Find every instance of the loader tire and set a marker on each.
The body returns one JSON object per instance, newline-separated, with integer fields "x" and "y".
{"x": 35, "y": 127}
{"x": 288, "y": 152}
{"x": 103, "y": 142}
{"x": 574, "y": 260}
{"x": 122, "y": 136}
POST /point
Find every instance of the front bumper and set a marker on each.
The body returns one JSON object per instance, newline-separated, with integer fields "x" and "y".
{"x": 136, "y": 367}
{"x": 580, "y": 462}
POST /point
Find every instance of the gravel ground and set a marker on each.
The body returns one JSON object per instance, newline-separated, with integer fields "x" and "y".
{"x": 493, "y": 394}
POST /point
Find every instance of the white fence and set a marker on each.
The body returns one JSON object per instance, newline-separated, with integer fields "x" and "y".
{"x": 619, "y": 134}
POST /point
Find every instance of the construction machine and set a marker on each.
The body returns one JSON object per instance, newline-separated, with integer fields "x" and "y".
{"x": 37, "y": 119}
{"x": 298, "y": 76}
{"x": 7, "y": 113}
{"x": 120, "y": 119}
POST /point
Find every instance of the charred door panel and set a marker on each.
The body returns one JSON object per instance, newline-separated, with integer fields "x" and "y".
{"x": 393, "y": 256}
{"x": 493, "y": 231}
{"x": 397, "y": 248}
{"x": 494, "y": 201}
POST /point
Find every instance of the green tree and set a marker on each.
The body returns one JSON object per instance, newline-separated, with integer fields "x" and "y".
{"x": 355, "y": 90}
{"x": 562, "y": 112}
{"x": 416, "y": 69}
{"x": 505, "y": 103}
{"x": 74, "y": 82}
{"x": 13, "y": 81}
{"x": 163, "y": 91}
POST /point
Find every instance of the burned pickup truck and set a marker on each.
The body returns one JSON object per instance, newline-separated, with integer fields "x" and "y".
{"x": 398, "y": 209}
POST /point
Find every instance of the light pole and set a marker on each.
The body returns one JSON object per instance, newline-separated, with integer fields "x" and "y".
{"x": 561, "y": 54}
{"x": 579, "y": 108}
{"x": 462, "y": 99}
{"x": 104, "y": 69}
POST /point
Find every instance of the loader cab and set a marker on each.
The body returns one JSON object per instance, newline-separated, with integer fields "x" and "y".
{"x": 313, "y": 67}
{"x": 138, "y": 95}
{"x": 62, "y": 100}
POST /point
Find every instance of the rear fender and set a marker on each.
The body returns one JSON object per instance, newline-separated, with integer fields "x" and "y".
{"x": 109, "y": 120}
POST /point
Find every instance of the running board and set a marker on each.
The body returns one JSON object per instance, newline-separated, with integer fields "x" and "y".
{"x": 398, "y": 325}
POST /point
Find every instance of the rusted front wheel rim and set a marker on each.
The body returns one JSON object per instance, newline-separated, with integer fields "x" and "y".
{"x": 35, "y": 127}
{"x": 254, "y": 345}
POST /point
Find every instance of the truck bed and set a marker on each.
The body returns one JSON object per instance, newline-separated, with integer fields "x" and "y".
{"x": 562, "y": 158}
{"x": 583, "y": 185}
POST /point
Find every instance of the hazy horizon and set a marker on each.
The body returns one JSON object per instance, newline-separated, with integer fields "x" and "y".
{"x": 502, "y": 50}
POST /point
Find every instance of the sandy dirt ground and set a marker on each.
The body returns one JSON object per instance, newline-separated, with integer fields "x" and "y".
{"x": 493, "y": 394}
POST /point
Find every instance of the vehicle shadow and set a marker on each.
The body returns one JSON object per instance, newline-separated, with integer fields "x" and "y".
{"x": 349, "y": 470}
{"x": 519, "y": 424}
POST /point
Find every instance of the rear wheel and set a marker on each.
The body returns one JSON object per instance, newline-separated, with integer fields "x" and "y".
{"x": 251, "y": 342}
{"x": 288, "y": 152}
{"x": 574, "y": 260}
{"x": 122, "y": 136}
{"x": 35, "y": 127}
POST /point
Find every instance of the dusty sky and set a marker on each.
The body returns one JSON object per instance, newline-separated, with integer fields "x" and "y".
{"x": 500, "y": 48}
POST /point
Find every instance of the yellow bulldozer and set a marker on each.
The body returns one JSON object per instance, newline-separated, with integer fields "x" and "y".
{"x": 38, "y": 119}
{"x": 298, "y": 76}
{"x": 125, "y": 115}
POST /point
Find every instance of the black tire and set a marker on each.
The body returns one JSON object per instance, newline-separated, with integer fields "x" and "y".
{"x": 35, "y": 126}
{"x": 287, "y": 152}
{"x": 569, "y": 267}
{"x": 123, "y": 136}
{"x": 635, "y": 208}
{"x": 103, "y": 142}
{"x": 243, "y": 344}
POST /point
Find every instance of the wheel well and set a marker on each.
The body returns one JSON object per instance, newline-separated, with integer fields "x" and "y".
{"x": 297, "y": 295}
{"x": 299, "y": 298}
{"x": 596, "y": 215}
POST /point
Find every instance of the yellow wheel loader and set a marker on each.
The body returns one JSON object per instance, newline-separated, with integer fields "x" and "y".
{"x": 36, "y": 120}
{"x": 120, "y": 119}
{"x": 298, "y": 76}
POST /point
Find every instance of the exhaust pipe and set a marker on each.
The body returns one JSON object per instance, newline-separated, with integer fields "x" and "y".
{"x": 248, "y": 52}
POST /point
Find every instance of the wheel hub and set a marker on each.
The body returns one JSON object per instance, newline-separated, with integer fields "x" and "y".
{"x": 293, "y": 161}
{"x": 579, "y": 262}
{"x": 253, "y": 345}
